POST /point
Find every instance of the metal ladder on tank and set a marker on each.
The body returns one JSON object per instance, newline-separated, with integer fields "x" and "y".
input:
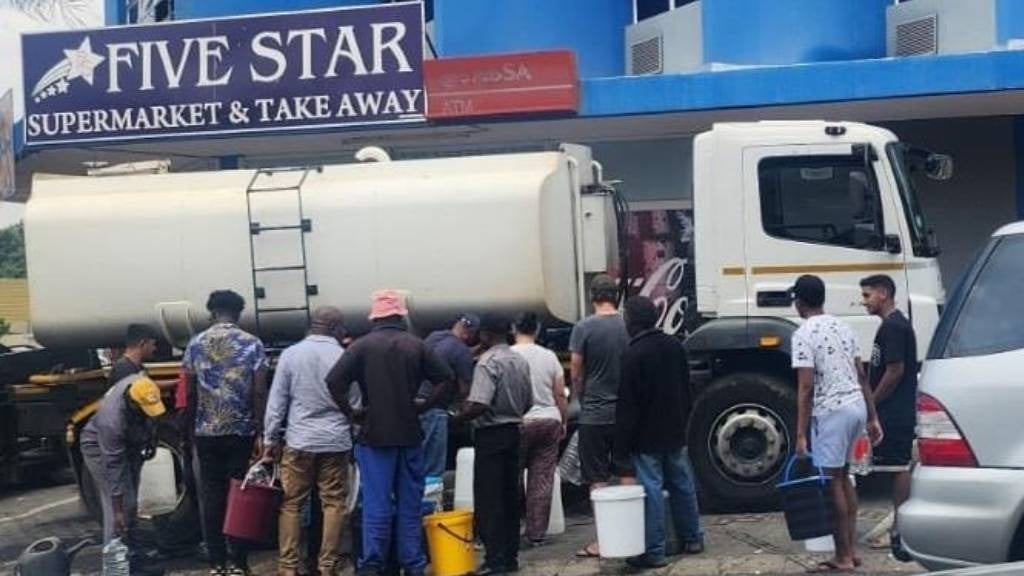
{"x": 257, "y": 188}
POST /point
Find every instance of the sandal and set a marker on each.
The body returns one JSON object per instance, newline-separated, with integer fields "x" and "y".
{"x": 588, "y": 552}
{"x": 829, "y": 567}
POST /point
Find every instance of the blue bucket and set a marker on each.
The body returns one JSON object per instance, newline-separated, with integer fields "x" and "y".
{"x": 807, "y": 502}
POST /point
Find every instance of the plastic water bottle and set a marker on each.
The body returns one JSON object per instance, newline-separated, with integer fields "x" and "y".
{"x": 433, "y": 493}
{"x": 115, "y": 558}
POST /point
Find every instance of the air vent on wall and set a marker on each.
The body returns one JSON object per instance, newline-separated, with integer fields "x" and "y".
{"x": 918, "y": 36}
{"x": 645, "y": 57}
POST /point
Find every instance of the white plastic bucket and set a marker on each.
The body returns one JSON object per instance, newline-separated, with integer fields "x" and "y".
{"x": 619, "y": 516}
{"x": 463, "y": 499}
{"x": 158, "y": 489}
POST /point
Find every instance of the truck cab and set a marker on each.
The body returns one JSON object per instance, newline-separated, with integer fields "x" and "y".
{"x": 773, "y": 201}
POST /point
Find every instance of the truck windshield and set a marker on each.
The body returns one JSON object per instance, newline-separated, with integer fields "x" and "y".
{"x": 907, "y": 164}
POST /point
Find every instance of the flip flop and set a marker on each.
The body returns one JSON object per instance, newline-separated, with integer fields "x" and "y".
{"x": 587, "y": 552}
{"x": 828, "y": 567}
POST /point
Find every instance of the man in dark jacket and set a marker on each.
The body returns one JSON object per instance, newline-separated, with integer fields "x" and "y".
{"x": 389, "y": 364}
{"x": 653, "y": 407}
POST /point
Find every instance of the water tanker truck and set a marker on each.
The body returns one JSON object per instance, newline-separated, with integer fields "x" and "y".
{"x": 510, "y": 233}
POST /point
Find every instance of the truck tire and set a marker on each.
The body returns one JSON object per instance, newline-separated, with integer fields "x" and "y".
{"x": 181, "y": 528}
{"x": 740, "y": 433}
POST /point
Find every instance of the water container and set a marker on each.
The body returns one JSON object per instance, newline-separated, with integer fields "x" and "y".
{"x": 556, "y": 519}
{"x": 619, "y": 516}
{"x": 158, "y": 490}
{"x": 47, "y": 557}
{"x": 464, "y": 479}
{"x": 433, "y": 495}
{"x": 115, "y": 558}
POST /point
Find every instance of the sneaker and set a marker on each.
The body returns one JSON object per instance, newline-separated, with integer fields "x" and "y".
{"x": 218, "y": 571}
{"x": 693, "y": 547}
{"x": 237, "y": 571}
{"x": 644, "y": 562}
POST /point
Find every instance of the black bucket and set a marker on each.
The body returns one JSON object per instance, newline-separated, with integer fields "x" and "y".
{"x": 807, "y": 503}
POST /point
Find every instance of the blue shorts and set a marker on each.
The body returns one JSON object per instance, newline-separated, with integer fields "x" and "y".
{"x": 834, "y": 433}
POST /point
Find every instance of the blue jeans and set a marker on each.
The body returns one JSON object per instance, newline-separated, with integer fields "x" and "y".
{"x": 434, "y": 423}
{"x": 392, "y": 483}
{"x": 668, "y": 471}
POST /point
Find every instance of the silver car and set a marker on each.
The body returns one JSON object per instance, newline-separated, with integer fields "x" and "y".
{"x": 967, "y": 494}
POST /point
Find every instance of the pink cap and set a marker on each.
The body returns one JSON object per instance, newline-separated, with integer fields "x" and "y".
{"x": 387, "y": 303}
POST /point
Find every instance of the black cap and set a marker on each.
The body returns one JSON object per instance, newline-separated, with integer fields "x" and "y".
{"x": 810, "y": 290}
{"x": 471, "y": 321}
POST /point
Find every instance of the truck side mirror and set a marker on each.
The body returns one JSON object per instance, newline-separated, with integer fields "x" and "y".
{"x": 893, "y": 244}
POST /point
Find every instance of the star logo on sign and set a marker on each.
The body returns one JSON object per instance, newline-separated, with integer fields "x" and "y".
{"x": 82, "y": 61}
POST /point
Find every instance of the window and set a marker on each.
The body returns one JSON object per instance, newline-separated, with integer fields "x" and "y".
{"x": 149, "y": 11}
{"x": 990, "y": 316}
{"x": 821, "y": 199}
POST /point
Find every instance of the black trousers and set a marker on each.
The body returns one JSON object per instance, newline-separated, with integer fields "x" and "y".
{"x": 496, "y": 492}
{"x": 222, "y": 458}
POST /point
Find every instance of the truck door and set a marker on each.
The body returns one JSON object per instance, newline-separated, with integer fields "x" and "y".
{"x": 818, "y": 209}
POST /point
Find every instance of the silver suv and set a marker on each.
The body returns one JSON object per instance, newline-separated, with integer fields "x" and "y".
{"x": 967, "y": 495}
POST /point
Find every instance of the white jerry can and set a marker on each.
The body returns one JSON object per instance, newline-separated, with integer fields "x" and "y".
{"x": 158, "y": 487}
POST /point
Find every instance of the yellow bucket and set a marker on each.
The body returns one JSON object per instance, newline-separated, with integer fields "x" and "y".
{"x": 450, "y": 537}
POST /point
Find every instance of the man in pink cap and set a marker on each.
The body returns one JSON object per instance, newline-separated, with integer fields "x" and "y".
{"x": 389, "y": 364}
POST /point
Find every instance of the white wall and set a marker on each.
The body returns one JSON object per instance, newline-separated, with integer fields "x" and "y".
{"x": 980, "y": 197}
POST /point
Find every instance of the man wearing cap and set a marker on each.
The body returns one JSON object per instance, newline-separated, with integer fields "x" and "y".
{"x": 111, "y": 445}
{"x": 500, "y": 395}
{"x": 834, "y": 403}
{"x": 452, "y": 347}
{"x": 389, "y": 364}
{"x": 317, "y": 444}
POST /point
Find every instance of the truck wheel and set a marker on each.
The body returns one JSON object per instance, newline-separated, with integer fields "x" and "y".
{"x": 740, "y": 434}
{"x": 180, "y": 528}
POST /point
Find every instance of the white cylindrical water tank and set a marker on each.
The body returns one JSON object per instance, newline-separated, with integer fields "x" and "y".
{"x": 482, "y": 233}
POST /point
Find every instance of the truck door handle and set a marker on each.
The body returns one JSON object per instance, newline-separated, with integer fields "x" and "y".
{"x": 774, "y": 299}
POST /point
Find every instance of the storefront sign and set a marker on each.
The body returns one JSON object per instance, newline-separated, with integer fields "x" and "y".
{"x": 339, "y": 67}
{"x": 534, "y": 82}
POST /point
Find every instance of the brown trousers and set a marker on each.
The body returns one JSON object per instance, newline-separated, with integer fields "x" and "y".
{"x": 299, "y": 470}
{"x": 539, "y": 455}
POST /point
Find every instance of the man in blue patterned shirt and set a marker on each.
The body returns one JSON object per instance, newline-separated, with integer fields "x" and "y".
{"x": 226, "y": 369}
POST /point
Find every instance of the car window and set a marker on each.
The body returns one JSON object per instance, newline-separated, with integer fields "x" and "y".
{"x": 992, "y": 315}
{"x": 823, "y": 199}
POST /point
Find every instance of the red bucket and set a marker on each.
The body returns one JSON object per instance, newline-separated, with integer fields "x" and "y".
{"x": 252, "y": 511}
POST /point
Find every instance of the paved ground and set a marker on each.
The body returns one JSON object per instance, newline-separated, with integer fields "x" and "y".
{"x": 750, "y": 544}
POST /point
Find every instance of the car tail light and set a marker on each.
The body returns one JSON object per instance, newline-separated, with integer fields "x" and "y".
{"x": 939, "y": 440}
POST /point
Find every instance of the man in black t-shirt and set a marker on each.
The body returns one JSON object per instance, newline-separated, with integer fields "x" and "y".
{"x": 893, "y": 378}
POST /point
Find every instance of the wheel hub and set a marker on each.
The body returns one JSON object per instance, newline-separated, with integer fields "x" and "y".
{"x": 749, "y": 442}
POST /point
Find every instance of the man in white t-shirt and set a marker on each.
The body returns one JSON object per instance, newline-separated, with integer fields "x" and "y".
{"x": 835, "y": 403}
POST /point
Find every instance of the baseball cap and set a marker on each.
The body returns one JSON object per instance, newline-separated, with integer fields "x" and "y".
{"x": 471, "y": 321}
{"x": 146, "y": 394}
{"x": 809, "y": 289}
